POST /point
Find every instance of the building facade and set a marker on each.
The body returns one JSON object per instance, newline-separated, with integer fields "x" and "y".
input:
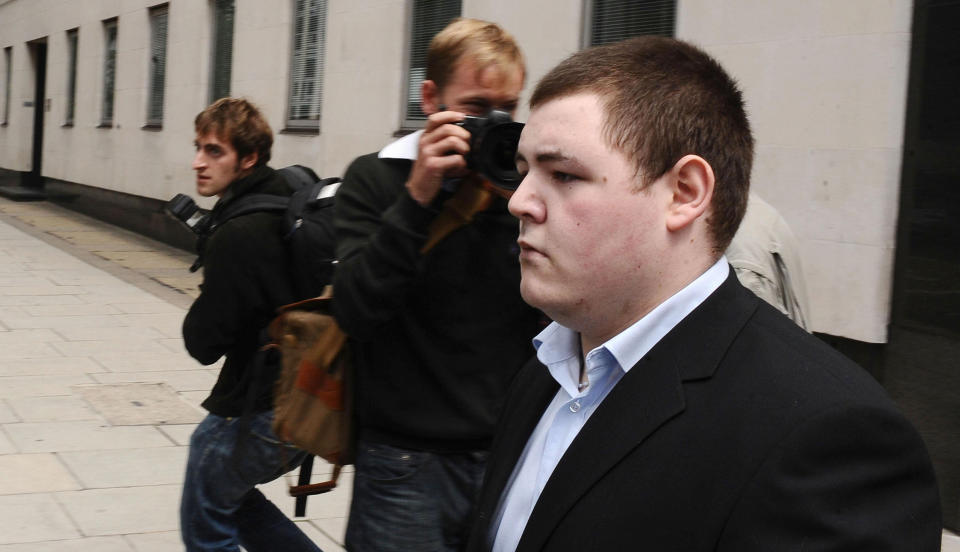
{"x": 97, "y": 100}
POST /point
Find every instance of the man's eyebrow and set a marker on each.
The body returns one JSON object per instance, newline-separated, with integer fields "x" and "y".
{"x": 551, "y": 155}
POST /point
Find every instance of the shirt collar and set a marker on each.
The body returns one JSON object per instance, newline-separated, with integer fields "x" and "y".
{"x": 557, "y": 346}
{"x": 402, "y": 148}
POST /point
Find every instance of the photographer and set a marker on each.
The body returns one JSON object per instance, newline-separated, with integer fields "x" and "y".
{"x": 246, "y": 276}
{"x": 437, "y": 336}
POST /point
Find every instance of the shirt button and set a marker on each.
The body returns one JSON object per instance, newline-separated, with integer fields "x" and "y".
{"x": 575, "y": 406}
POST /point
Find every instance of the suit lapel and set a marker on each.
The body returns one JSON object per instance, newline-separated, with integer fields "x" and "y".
{"x": 649, "y": 395}
{"x": 530, "y": 394}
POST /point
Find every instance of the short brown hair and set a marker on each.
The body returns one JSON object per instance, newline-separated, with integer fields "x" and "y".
{"x": 663, "y": 99}
{"x": 239, "y": 122}
{"x": 486, "y": 44}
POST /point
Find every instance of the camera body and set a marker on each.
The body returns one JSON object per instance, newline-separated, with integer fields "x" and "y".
{"x": 183, "y": 208}
{"x": 493, "y": 147}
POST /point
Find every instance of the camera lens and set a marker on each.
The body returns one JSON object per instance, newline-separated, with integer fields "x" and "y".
{"x": 496, "y": 155}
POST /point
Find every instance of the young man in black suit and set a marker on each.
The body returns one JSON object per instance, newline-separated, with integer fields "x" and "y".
{"x": 668, "y": 407}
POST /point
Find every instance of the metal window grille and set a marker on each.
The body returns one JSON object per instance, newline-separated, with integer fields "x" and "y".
{"x": 307, "y": 62}
{"x": 109, "y": 70}
{"x": 222, "y": 56}
{"x": 72, "y": 36}
{"x": 158, "y": 64}
{"x": 615, "y": 20}
{"x": 428, "y": 18}
{"x": 8, "y": 65}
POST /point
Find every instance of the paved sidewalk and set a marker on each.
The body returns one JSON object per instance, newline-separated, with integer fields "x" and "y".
{"x": 97, "y": 395}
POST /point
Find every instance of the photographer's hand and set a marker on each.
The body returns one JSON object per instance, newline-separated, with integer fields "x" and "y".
{"x": 440, "y": 156}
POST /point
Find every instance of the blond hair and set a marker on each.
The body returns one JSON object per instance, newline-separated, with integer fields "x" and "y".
{"x": 486, "y": 44}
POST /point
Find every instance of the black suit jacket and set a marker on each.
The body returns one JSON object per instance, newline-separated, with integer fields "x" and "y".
{"x": 737, "y": 432}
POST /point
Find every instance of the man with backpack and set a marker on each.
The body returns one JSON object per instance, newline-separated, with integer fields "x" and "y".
{"x": 246, "y": 276}
{"x": 438, "y": 331}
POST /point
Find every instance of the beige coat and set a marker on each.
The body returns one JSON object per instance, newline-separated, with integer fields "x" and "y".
{"x": 765, "y": 256}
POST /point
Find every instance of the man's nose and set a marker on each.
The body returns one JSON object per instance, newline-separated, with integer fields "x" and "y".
{"x": 198, "y": 161}
{"x": 525, "y": 204}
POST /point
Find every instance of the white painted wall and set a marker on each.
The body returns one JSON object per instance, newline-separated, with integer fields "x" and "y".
{"x": 825, "y": 83}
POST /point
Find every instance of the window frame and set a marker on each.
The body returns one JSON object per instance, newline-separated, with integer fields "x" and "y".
{"x": 70, "y": 103}
{"x": 159, "y": 22}
{"x": 216, "y": 43}
{"x": 7, "y": 84}
{"x": 108, "y": 98}
{"x": 296, "y": 97}
{"x": 412, "y": 81}
{"x": 588, "y": 38}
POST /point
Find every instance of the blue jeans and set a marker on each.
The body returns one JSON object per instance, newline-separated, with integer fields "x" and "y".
{"x": 406, "y": 500}
{"x": 220, "y": 508}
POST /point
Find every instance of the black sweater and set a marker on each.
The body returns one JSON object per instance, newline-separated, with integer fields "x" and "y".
{"x": 245, "y": 278}
{"x": 437, "y": 337}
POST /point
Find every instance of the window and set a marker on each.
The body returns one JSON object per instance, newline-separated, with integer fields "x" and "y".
{"x": 109, "y": 71}
{"x": 158, "y": 65}
{"x": 222, "y": 56}
{"x": 72, "y": 36}
{"x": 8, "y": 73}
{"x": 614, "y": 20}
{"x": 306, "y": 70}
{"x": 428, "y": 18}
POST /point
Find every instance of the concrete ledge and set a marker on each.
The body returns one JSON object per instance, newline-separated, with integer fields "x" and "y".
{"x": 22, "y": 193}
{"x": 139, "y": 214}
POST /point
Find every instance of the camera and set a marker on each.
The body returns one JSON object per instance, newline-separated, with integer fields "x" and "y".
{"x": 183, "y": 208}
{"x": 493, "y": 147}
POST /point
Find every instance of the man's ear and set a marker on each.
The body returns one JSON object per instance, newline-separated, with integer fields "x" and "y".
{"x": 248, "y": 161}
{"x": 429, "y": 97}
{"x": 692, "y": 184}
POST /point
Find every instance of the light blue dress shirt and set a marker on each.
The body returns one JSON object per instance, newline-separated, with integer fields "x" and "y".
{"x": 558, "y": 348}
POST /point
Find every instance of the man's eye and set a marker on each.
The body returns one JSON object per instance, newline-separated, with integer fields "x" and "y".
{"x": 561, "y": 176}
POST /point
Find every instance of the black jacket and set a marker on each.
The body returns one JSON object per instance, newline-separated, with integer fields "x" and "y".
{"x": 737, "y": 432}
{"x": 437, "y": 337}
{"x": 245, "y": 278}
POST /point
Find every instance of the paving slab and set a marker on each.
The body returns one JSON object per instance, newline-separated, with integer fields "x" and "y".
{"x": 6, "y": 445}
{"x": 116, "y": 333}
{"x": 59, "y": 366}
{"x": 52, "y": 409}
{"x": 25, "y": 321}
{"x": 131, "y": 404}
{"x": 334, "y": 528}
{"x": 144, "y": 259}
{"x": 120, "y": 511}
{"x": 153, "y": 307}
{"x": 146, "y": 361}
{"x": 93, "y": 544}
{"x": 34, "y": 517}
{"x": 33, "y": 335}
{"x": 196, "y": 379}
{"x": 179, "y": 434}
{"x": 97, "y": 469}
{"x": 34, "y": 473}
{"x": 15, "y": 300}
{"x": 84, "y": 435}
{"x": 28, "y": 350}
{"x": 162, "y": 541}
{"x": 71, "y": 310}
{"x": 86, "y": 348}
{"x": 13, "y": 387}
{"x": 319, "y": 537}
{"x": 7, "y": 415}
